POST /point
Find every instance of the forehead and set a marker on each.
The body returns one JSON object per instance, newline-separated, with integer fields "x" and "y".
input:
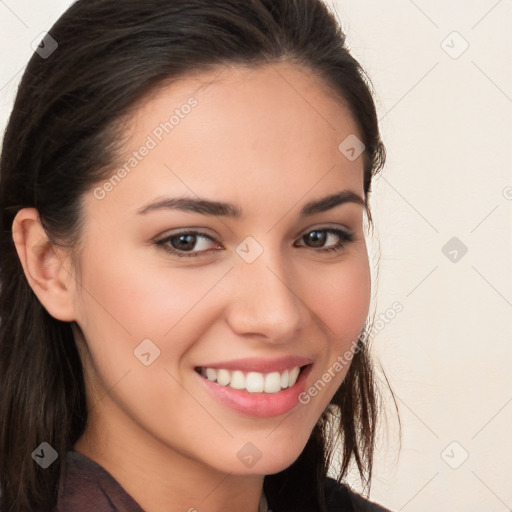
{"x": 238, "y": 130}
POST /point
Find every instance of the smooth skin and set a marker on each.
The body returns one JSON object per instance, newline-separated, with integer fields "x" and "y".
{"x": 266, "y": 140}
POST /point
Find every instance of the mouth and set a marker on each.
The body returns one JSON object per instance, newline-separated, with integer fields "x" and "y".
{"x": 253, "y": 382}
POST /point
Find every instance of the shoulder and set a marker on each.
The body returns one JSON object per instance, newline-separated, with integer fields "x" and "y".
{"x": 340, "y": 498}
{"x": 88, "y": 486}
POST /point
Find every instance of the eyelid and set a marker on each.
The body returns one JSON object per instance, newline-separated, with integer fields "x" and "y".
{"x": 345, "y": 234}
{"x": 203, "y": 231}
{"x": 189, "y": 231}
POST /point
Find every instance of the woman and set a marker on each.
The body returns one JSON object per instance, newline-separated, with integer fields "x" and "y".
{"x": 185, "y": 279}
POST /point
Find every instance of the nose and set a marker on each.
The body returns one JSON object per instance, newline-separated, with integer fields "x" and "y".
{"x": 264, "y": 300}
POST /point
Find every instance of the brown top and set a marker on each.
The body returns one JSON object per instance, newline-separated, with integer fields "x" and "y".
{"x": 88, "y": 487}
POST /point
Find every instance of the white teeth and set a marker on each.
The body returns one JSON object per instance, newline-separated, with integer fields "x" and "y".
{"x": 237, "y": 380}
{"x": 292, "y": 376}
{"x": 284, "y": 379}
{"x": 211, "y": 374}
{"x": 253, "y": 382}
{"x": 223, "y": 377}
{"x": 273, "y": 382}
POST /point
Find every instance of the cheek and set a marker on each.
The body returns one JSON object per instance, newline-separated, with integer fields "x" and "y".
{"x": 342, "y": 300}
{"x": 349, "y": 313}
{"x": 125, "y": 301}
{"x": 143, "y": 300}
{"x": 342, "y": 303}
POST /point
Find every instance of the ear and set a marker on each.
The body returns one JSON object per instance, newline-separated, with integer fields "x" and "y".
{"x": 46, "y": 266}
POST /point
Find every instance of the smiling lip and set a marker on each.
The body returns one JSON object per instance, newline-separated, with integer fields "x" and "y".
{"x": 259, "y": 364}
{"x": 260, "y": 405}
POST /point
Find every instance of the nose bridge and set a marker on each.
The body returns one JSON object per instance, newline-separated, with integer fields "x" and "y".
{"x": 265, "y": 301}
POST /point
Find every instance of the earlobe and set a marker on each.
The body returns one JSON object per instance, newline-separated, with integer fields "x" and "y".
{"x": 46, "y": 267}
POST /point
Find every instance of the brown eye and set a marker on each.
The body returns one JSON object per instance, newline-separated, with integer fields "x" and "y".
{"x": 182, "y": 244}
{"x": 317, "y": 238}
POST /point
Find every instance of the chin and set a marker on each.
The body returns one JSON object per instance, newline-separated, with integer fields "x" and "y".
{"x": 269, "y": 458}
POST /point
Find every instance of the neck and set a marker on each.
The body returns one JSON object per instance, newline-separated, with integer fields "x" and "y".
{"x": 161, "y": 479}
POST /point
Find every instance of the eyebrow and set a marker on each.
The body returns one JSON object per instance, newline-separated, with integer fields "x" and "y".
{"x": 206, "y": 207}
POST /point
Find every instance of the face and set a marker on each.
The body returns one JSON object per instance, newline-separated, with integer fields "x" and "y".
{"x": 177, "y": 300}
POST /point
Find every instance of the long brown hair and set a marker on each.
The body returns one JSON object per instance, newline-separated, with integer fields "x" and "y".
{"x": 61, "y": 140}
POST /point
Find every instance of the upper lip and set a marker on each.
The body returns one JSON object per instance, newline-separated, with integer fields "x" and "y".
{"x": 260, "y": 365}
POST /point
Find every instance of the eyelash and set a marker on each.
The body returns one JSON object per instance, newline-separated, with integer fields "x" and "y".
{"x": 345, "y": 236}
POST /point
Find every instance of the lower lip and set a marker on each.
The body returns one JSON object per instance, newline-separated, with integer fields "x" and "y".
{"x": 262, "y": 405}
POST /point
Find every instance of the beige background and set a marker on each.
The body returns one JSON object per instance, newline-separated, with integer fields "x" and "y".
{"x": 446, "y": 118}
